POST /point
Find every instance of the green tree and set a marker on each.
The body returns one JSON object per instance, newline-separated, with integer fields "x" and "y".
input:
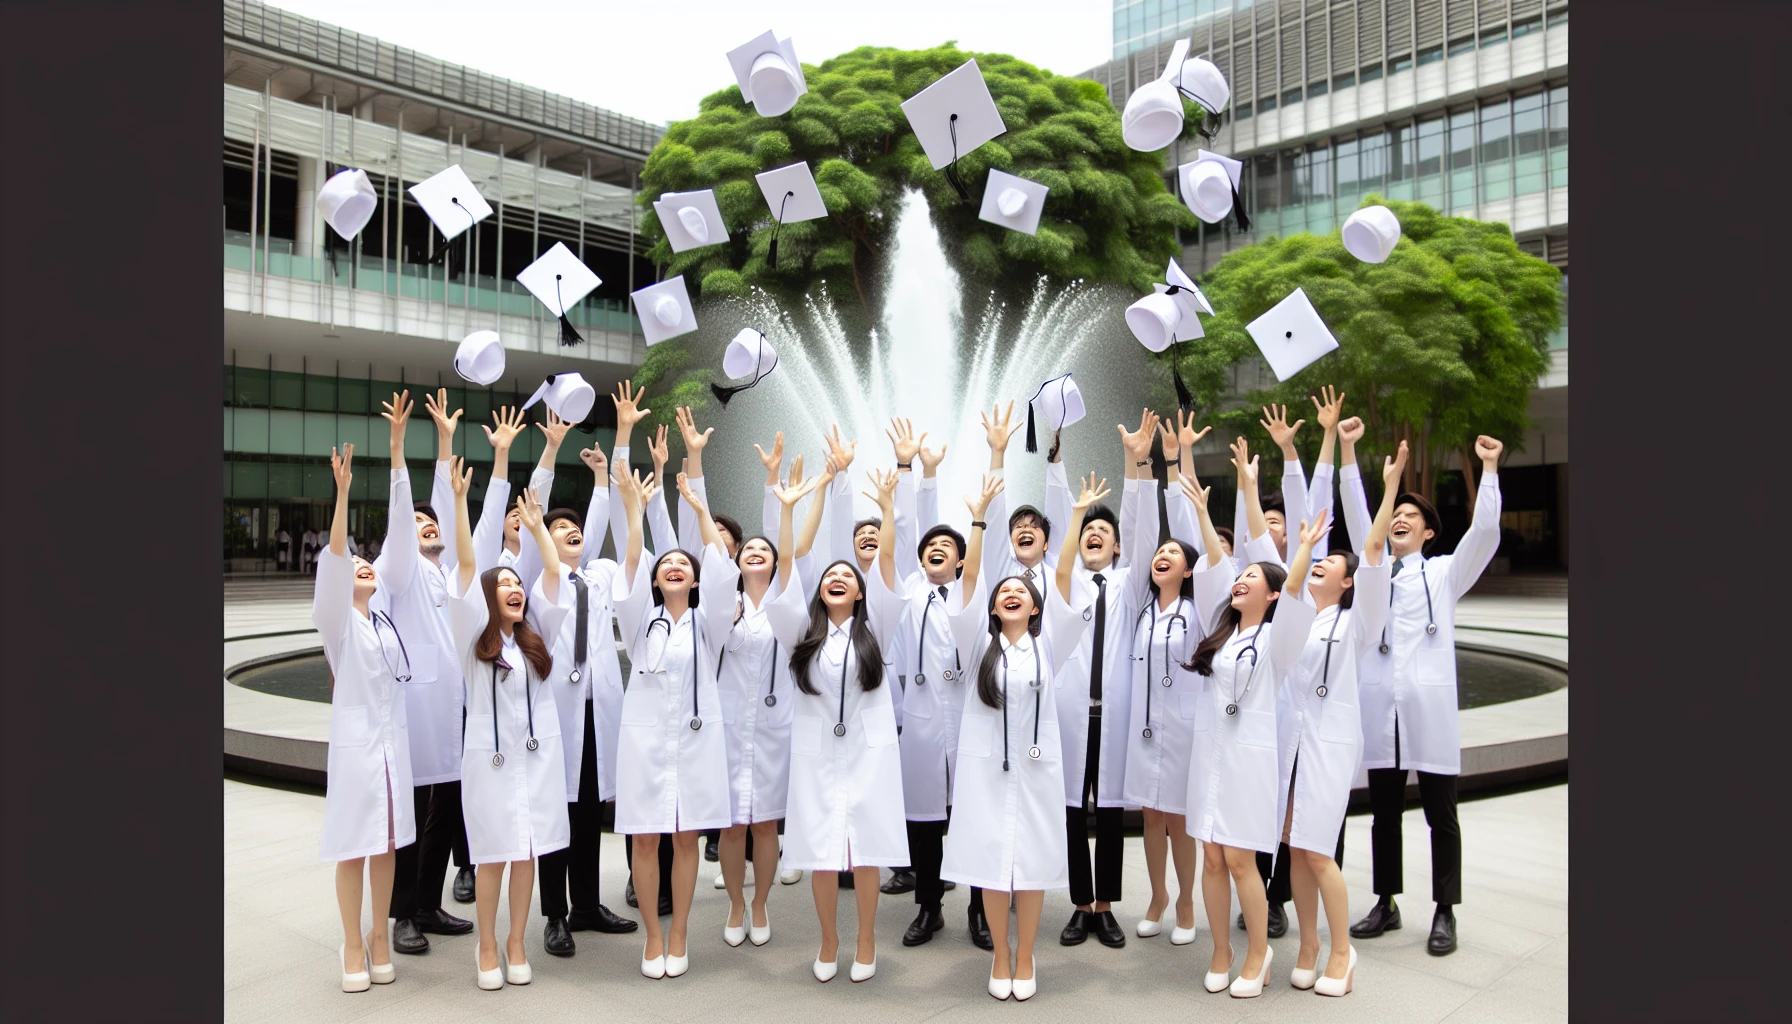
{"x": 1443, "y": 341}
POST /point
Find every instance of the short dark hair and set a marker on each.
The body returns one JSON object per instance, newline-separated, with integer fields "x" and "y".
{"x": 1102, "y": 514}
{"x": 1225, "y": 533}
{"x": 1272, "y": 502}
{"x": 1426, "y": 509}
{"x": 861, "y": 524}
{"x": 558, "y": 514}
{"x": 942, "y": 530}
{"x": 424, "y": 507}
{"x": 732, "y": 526}
{"x": 1025, "y": 512}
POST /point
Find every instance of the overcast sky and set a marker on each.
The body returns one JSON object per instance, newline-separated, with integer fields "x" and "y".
{"x": 654, "y": 60}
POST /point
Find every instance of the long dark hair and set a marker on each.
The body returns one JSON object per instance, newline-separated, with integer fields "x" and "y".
{"x": 491, "y": 641}
{"x": 988, "y": 690}
{"x": 1350, "y": 564}
{"x": 1189, "y": 556}
{"x": 740, "y": 581}
{"x": 1202, "y": 663}
{"x": 696, "y": 575}
{"x": 871, "y": 656}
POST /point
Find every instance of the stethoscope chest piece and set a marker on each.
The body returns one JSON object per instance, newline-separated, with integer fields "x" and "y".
{"x": 1430, "y": 629}
{"x": 1320, "y": 691}
{"x": 771, "y": 700}
{"x": 1231, "y": 709}
{"x": 532, "y": 744}
{"x": 1033, "y": 752}
{"x": 696, "y": 723}
{"x": 1383, "y": 648}
{"x": 574, "y": 676}
{"x": 1165, "y": 680}
{"x": 921, "y": 678}
{"x": 497, "y": 760}
{"x": 947, "y": 675}
{"x": 1146, "y": 732}
{"x": 839, "y": 728}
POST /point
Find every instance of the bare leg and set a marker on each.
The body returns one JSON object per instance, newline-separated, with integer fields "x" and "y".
{"x": 487, "y": 883}
{"x": 1330, "y": 882}
{"x": 1254, "y": 902}
{"x": 1157, "y": 852}
{"x": 1028, "y": 903}
{"x": 1186, "y": 855}
{"x": 765, "y": 867}
{"x": 684, "y": 890}
{"x": 379, "y": 877}
{"x": 348, "y": 904}
{"x": 864, "y": 888}
{"x": 733, "y": 848}
{"x": 647, "y": 886}
{"x": 826, "y": 886}
{"x": 522, "y": 884}
{"x": 995, "y": 908}
{"x": 1306, "y": 907}
{"x": 1216, "y": 894}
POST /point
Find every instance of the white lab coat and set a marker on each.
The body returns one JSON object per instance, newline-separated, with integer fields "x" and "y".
{"x": 1008, "y": 825}
{"x": 415, "y": 593}
{"x": 670, "y": 777}
{"x": 516, "y": 810}
{"x": 846, "y": 807}
{"x": 755, "y": 667}
{"x": 1324, "y": 735}
{"x": 1232, "y": 765}
{"x": 1128, "y": 587}
{"x": 369, "y": 762}
{"x": 1298, "y": 503}
{"x": 931, "y": 706}
{"x": 1416, "y": 681}
{"x": 999, "y": 559}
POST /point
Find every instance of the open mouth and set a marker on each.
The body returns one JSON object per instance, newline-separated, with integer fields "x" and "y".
{"x": 1025, "y": 540}
{"x": 836, "y": 590}
{"x": 755, "y": 561}
{"x": 936, "y": 559}
{"x": 429, "y": 533}
{"x": 1401, "y": 530}
{"x": 1011, "y": 604}
{"x": 1094, "y": 544}
{"x": 364, "y": 573}
{"x": 868, "y": 544}
{"x": 1162, "y": 565}
{"x": 1240, "y": 589}
{"x": 674, "y": 576}
{"x": 514, "y": 602}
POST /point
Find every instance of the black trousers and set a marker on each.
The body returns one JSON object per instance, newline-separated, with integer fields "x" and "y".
{"x": 926, "y": 849}
{"x": 1280, "y": 883}
{"x": 576, "y": 866}
{"x": 1387, "y": 803}
{"x": 420, "y": 868}
{"x": 665, "y": 862}
{"x": 1102, "y": 881}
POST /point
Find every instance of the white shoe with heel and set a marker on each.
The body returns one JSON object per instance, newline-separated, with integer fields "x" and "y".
{"x": 353, "y": 981}
{"x": 489, "y": 981}
{"x": 1338, "y": 986}
{"x": 1251, "y": 988}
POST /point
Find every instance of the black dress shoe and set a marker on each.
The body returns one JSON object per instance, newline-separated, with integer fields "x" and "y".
{"x": 1107, "y": 930}
{"x": 407, "y": 939}
{"x": 1077, "y": 931}
{"x": 665, "y": 907}
{"x": 1443, "y": 933}
{"x": 928, "y": 921}
{"x": 463, "y": 885}
{"x": 948, "y": 885}
{"x": 899, "y": 883}
{"x": 441, "y": 922}
{"x": 980, "y": 930}
{"x": 1278, "y": 920}
{"x": 630, "y": 894}
{"x": 556, "y": 938}
{"x": 846, "y": 881}
{"x": 601, "y": 920}
{"x": 711, "y": 852}
{"x": 1384, "y": 917}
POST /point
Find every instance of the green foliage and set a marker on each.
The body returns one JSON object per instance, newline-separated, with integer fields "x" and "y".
{"x": 1441, "y": 342}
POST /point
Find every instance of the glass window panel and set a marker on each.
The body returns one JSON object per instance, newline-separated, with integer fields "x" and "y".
{"x": 1558, "y": 18}
{"x": 353, "y": 430}
{"x": 1399, "y": 64}
{"x": 1370, "y": 74}
{"x": 285, "y": 480}
{"x": 1343, "y": 81}
{"x": 1431, "y": 147}
{"x": 1496, "y": 141}
{"x": 1527, "y": 123}
{"x": 251, "y": 434}
{"x": 1529, "y": 174}
{"x": 420, "y": 445}
{"x": 1431, "y": 54}
{"x": 1347, "y": 165}
{"x": 1317, "y": 89}
{"x": 1558, "y": 167}
{"x": 318, "y": 483}
{"x": 1558, "y": 117}
{"x": 1458, "y": 47}
{"x": 1266, "y": 185}
{"x": 351, "y": 396}
{"x": 1400, "y": 153}
{"x": 1462, "y": 140}
{"x": 1266, "y": 104}
{"x": 249, "y": 479}
{"x": 286, "y": 432}
{"x": 229, "y": 429}
{"x": 251, "y": 387}
{"x": 1527, "y": 26}
{"x": 320, "y": 433}
{"x": 1291, "y": 97}
{"x": 288, "y": 390}
{"x": 1241, "y": 112}
{"x": 1373, "y": 154}
{"x": 1493, "y": 37}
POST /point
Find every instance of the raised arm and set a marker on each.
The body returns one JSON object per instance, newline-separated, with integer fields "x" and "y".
{"x": 805, "y": 540}
{"x": 787, "y": 499}
{"x": 927, "y": 493}
{"x": 597, "y": 513}
{"x": 1295, "y": 613}
{"x": 1246, "y": 465}
{"x": 907, "y": 447}
{"x": 998, "y": 426}
{"x": 465, "y": 564}
{"x": 1196, "y": 496}
{"x": 1477, "y": 546}
{"x": 628, "y": 412}
{"x": 660, "y": 534}
{"x": 333, "y": 595}
{"x": 774, "y": 463}
{"x": 1350, "y": 480}
{"x": 973, "y": 556}
{"x": 488, "y": 536}
{"x": 1375, "y": 548}
{"x": 397, "y": 564}
{"x": 884, "y": 494}
{"x": 528, "y": 505}
{"x": 1092, "y": 492}
{"x": 441, "y": 489}
{"x": 1312, "y": 531}
{"x": 1294, "y": 478}
{"x": 706, "y": 526}
{"x": 629, "y": 487}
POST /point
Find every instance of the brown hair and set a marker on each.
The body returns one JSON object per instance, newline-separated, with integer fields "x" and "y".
{"x": 491, "y": 641}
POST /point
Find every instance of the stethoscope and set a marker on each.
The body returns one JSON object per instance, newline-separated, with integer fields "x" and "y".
{"x": 921, "y": 644}
{"x": 1430, "y": 614}
{"x": 402, "y": 677}
{"x": 1250, "y": 648}
{"x": 696, "y": 659}
{"x": 845, "y": 659}
{"x": 1038, "y": 685}
{"x": 771, "y": 676}
{"x": 1151, "y": 638}
{"x": 1325, "y": 671}
{"x": 497, "y": 754}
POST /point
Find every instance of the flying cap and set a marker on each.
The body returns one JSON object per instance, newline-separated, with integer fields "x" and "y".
{"x": 559, "y": 280}
{"x": 1012, "y": 201}
{"x": 452, "y": 204}
{"x": 347, "y": 201}
{"x": 1153, "y": 115}
{"x": 1170, "y": 316}
{"x": 480, "y": 358}
{"x": 953, "y": 116}
{"x": 1060, "y": 402}
{"x": 691, "y": 219}
{"x": 770, "y": 76}
{"x": 791, "y": 193}
{"x": 748, "y": 353}
{"x": 1371, "y": 233}
{"x": 1203, "y": 83}
{"x": 1210, "y": 188}
{"x": 665, "y": 310}
{"x": 1291, "y": 336}
{"x": 567, "y": 395}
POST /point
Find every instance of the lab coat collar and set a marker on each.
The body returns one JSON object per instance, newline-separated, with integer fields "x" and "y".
{"x": 1024, "y": 645}
{"x": 843, "y": 630}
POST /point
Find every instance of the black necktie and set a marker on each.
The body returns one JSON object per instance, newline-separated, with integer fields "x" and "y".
{"x": 584, "y": 619}
{"x": 942, "y": 591}
{"x": 1101, "y": 633}
{"x": 1399, "y": 563}
{"x": 1029, "y": 574}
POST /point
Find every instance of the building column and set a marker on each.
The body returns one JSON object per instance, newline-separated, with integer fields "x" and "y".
{"x": 309, "y": 238}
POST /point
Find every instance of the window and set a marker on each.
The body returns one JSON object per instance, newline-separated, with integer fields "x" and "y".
{"x": 1399, "y": 64}
{"x": 1461, "y": 169}
{"x": 1527, "y": 26}
{"x": 1494, "y": 167}
{"x": 1344, "y": 81}
{"x": 1266, "y": 104}
{"x": 1265, "y": 185}
{"x": 1430, "y": 54}
{"x": 1527, "y": 138}
{"x": 1370, "y": 73}
{"x": 1317, "y": 89}
{"x": 1493, "y": 37}
{"x": 1458, "y": 47}
{"x": 1241, "y": 112}
{"x": 1557, "y": 19}
{"x": 1373, "y": 152}
{"x": 1431, "y": 147}
{"x": 1291, "y": 97}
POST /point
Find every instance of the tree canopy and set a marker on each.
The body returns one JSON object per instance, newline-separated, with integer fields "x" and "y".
{"x": 1108, "y": 217}
{"x": 1441, "y": 342}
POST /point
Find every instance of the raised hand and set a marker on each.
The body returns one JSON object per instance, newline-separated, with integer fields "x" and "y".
{"x": 594, "y": 458}
{"x": 1489, "y": 450}
{"x": 510, "y": 424}
{"x": 1196, "y": 494}
{"x": 1328, "y": 411}
{"x": 1245, "y": 463}
{"x": 1186, "y": 434}
{"x": 1171, "y": 444}
{"x": 930, "y": 460}
{"x": 1137, "y": 443}
{"x": 992, "y": 486}
{"x": 1314, "y": 532}
{"x": 689, "y": 495}
{"x": 902, "y": 437}
{"x": 998, "y": 426}
{"x": 649, "y": 488}
{"x": 398, "y": 413}
{"x": 687, "y": 426}
{"x": 796, "y": 471}
{"x": 841, "y": 451}
{"x": 460, "y": 476}
{"x": 772, "y": 460}
{"x": 632, "y": 487}
{"x": 883, "y": 483}
{"x": 1092, "y": 493}
{"x": 339, "y": 466}
{"x": 1350, "y": 431}
{"x": 795, "y": 492}
{"x": 528, "y": 507}
{"x": 554, "y": 430}
{"x": 1275, "y": 420}
{"x": 656, "y": 447}
{"x": 1394, "y": 469}
{"x": 628, "y": 406}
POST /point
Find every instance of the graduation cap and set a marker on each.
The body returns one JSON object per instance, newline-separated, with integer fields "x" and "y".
{"x": 1168, "y": 317}
{"x": 748, "y": 353}
{"x": 691, "y": 219}
{"x": 1153, "y": 115}
{"x": 1291, "y": 336}
{"x": 1060, "y": 402}
{"x": 953, "y": 116}
{"x": 452, "y": 204}
{"x": 1012, "y": 201}
{"x": 347, "y": 201}
{"x": 559, "y": 280}
{"x": 791, "y": 193}
{"x": 1370, "y": 233}
{"x": 480, "y": 358}
{"x": 770, "y": 76}
{"x": 567, "y": 395}
{"x": 1202, "y": 82}
{"x": 1210, "y": 188}
{"x": 665, "y": 310}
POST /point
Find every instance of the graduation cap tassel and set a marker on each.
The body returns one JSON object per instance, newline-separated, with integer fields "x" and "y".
{"x": 1184, "y": 400}
{"x": 724, "y": 392}
{"x": 1238, "y": 214}
{"x": 568, "y": 336}
{"x": 952, "y": 168}
{"x": 1032, "y": 440}
{"x": 771, "y": 251}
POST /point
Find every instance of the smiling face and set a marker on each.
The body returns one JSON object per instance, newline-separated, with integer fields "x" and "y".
{"x": 511, "y": 598}
{"x": 1014, "y": 605}
{"x": 1099, "y": 545}
{"x": 1169, "y": 567}
{"x": 1027, "y": 534}
{"x": 569, "y": 540}
{"x": 864, "y": 544}
{"x": 940, "y": 559}
{"x": 1252, "y": 593}
{"x": 756, "y": 560}
{"x": 1278, "y": 529}
{"x": 840, "y": 589}
{"x": 429, "y": 535}
{"x": 366, "y": 580}
{"x": 1407, "y": 534}
{"x": 513, "y": 525}
{"x": 674, "y": 575}
{"x": 1329, "y": 580}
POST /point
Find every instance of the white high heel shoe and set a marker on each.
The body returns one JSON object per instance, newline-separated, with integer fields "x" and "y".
{"x": 1180, "y": 936}
{"x": 676, "y": 966}
{"x": 1001, "y": 988}
{"x": 379, "y": 974}
{"x": 863, "y": 972}
{"x": 489, "y": 981}
{"x": 518, "y": 974}
{"x": 735, "y": 934}
{"x": 1251, "y": 988}
{"x": 790, "y": 876}
{"x": 824, "y": 972}
{"x": 1027, "y": 988}
{"x": 1303, "y": 978}
{"x": 654, "y": 968}
{"x": 1147, "y": 927}
{"x": 1218, "y": 981}
{"x": 759, "y": 936}
{"x": 357, "y": 981}
{"x": 1338, "y": 986}
{"x": 721, "y": 883}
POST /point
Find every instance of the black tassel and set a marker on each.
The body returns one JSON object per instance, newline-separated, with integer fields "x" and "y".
{"x": 1032, "y": 440}
{"x": 568, "y": 336}
{"x": 1238, "y": 214}
{"x": 1210, "y": 125}
{"x": 771, "y": 251}
{"x": 1184, "y": 400}
{"x": 952, "y": 168}
{"x": 725, "y": 392}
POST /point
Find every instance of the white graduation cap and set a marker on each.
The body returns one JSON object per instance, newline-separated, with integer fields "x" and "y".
{"x": 665, "y": 310}
{"x": 1153, "y": 115}
{"x": 1371, "y": 232}
{"x": 1203, "y": 83}
{"x": 953, "y": 116}
{"x": 347, "y": 201}
{"x": 691, "y": 219}
{"x": 748, "y": 354}
{"x": 1291, "y": 336}
{"x": 1012, "y": 201}
{"x": 1170, "y": 314}
{"x": 1184, "y": 283}
{"x": 567, "y": 395}
{"x": 1059, "y": 402}
{"x": 791, "y": 193}
{"x": 451, "y": 202}
{"x": 1210, "y": 188}
{"x": 770, "y": 76}
{"x": 559, "y": 280}
{"x": 480, "y": 358}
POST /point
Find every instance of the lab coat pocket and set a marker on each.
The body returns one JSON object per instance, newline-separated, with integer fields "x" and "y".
{"x": 641, "y": 704}
{"x": 1257, "y": 728}
{"x": 479, "y": 732}
{"x": 1437, "y": 666}
{"x": 349, "y": 726}
{"x": 917, "y": 699}
{"x": 1188, "y": 704}
{"x": 976, "y": 736}
{"x": 1340, "y": 723}
{"x": 880, "y": 725}
{"x": 805, "y": 737}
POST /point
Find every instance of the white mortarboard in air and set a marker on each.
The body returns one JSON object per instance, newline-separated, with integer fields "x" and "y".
{"x": 1291, "y": 335}
{"x": 559, "y": 280}
{"x": 480, "y": 358}
{"x": 1059, "y": 402}
{"x": 1371, "y": 232}
{"x": 749, "y": 354}
{"x": 1210, "y": 188}
{"x": 770, "y": 76}
{"x": 691, "y": 219}
{"x": 1153, "y": 115}
{"x": 1170, "y": 316}
{"x": 1012, "y": 201}
{"x": 791, "y": 193}
{"x": 451, "y": 202}
{"x": 1203, "y": 83}
{"x": 665, "y": 310}
{"x": 567, "y": 395}
{"x": 953, "y": 116}
{"x": 347, "y": 201}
